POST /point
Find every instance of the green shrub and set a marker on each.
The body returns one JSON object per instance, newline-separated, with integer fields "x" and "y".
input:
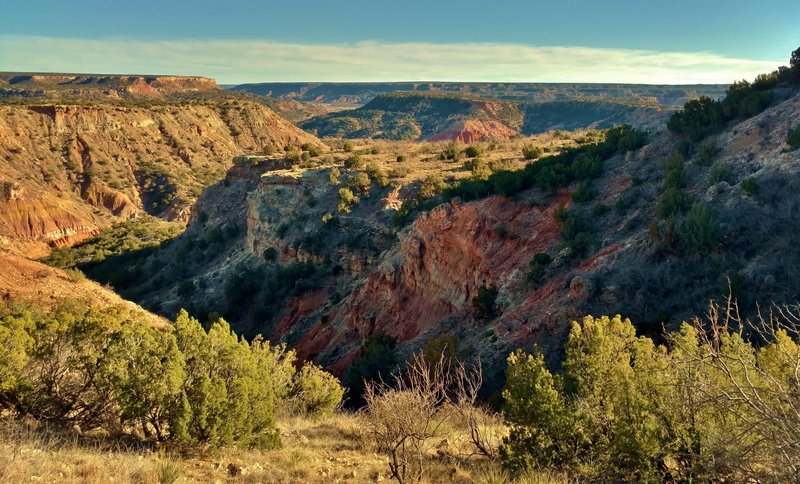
{"x": 316, "y": 392}
{"x": 552, "y": 172}
{"x": 401, "y": 158}
{"x": 451, "y": 151}
{"x": 431, "y": 186}
{"x": 399, "y": 172}
{"x": 347, "y": 147}
{"x": 294, "y": 156}
{"x": 699, "y": 118}
{"x": 354, "y": 162}
{"x": 673, "y": 202}
{"x": 532, "y": 152}
{"x": 604, "y": 414}
{"x": 584, "y": 192}
{"x": 75, "y": 275}
{"x": 587, "y": 167}
{"x": 537, "y": 266}
{"x": 479, "y": 168}
{"x": 793, "y": 137}
{"x": 359, "y": 182}
{"x": 575, "y": 230}
{"x": 102, "y": 368}
{"x": 270, "y": 254}
{"x": 705, "y": 116}
{"x": 484, "y": 305}
{"x": 750, "y": 186}
{"x": 706, "y": 153}
{"x": 228, "y": 395}
{"x": 333, "y": 176}
{"x": 377, "y": 360}
{"x": 721, "y": 172}
{"x": 346, "y": 199}
{"x": 623, "y": 409}
{"x": 600, "y": 209}
{"x": 699, "y": 231}
{"x": 474, "y": 151}
{"x": 377, "y": 174}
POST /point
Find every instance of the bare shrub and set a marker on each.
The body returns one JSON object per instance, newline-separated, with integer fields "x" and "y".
{"x": 749, "y": 372}
{"x": 427, "y": 401}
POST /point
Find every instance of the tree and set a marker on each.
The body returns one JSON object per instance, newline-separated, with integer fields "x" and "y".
{"x": 451, "y": 151}
{"x": 354, "y": 162}
{"x": 228, "y": 389}
{"x": 377, "y": 174}
{"x": 794, "y": 67}
{"x": 611, "y": 413}
{"x": 145, "y": 369}
{"x": 378, "y": 359}
{"x": 15, "y": 343}
{"x": 543, "y": 428}
{"x": 699, "y": 231}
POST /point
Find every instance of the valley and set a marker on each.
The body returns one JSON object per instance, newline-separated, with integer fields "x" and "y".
{"x": 285, "y": 282}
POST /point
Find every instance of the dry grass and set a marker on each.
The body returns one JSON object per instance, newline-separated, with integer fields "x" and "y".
{"x": 334, "y": 449}
{"x": 422, "y": 158}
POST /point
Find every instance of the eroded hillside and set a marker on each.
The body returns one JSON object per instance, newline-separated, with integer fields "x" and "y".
{"x": 66, "y": 171}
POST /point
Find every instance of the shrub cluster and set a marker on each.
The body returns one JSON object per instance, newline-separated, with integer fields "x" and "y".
{"x": 705, "y": 116}
{"x": 623, "y": 409}
{"x": 553, "y": 172}
{"x": 108, "y": 369}
{"x": 575, "y": 230}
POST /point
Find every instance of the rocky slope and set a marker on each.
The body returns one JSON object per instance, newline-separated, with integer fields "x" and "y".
{"x": 25, "y": 280}
{"x": 68, "y": 170}
{"x": 436, "y": 117}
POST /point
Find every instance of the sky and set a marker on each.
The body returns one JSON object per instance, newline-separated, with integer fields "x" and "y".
{"x": 238, "y": 41}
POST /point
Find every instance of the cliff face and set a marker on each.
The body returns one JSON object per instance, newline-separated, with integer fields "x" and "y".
{"x": 103, "y": 86}
{"x": 73, "y": 169}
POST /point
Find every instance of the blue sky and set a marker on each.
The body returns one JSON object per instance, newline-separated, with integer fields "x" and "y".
{"x": 359, "y": 40}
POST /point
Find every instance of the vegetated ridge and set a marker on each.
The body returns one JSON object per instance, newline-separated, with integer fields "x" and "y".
{"x": 360, "y": 93}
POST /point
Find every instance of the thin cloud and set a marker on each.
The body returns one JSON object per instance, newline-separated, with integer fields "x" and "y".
{"x": 239, "y": 61}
